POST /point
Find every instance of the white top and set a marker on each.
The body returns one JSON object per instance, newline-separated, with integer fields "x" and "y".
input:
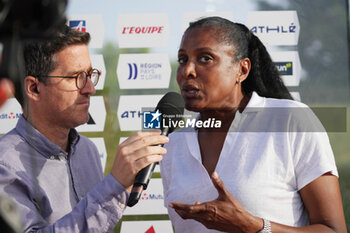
{"x": 264, "y": 168}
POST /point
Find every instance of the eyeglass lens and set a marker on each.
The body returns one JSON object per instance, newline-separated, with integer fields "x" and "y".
{"x": 82, "y": 78}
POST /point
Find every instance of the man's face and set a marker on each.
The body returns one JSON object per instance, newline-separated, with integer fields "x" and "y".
{"x": 61, "y": 101}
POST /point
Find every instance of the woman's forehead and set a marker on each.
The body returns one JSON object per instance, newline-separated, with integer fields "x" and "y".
{"x": 204, "y": 35}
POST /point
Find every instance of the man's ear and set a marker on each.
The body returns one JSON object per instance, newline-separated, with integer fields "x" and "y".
{"x": 244, "y": 68}
{"x": 31, "y": 88}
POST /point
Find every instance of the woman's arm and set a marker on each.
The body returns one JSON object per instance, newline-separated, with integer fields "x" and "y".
{"x": 323, "y": 202}
{"x": 321, "y": 197}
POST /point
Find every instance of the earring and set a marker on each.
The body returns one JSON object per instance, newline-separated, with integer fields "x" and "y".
{"x": 238, "y": 81}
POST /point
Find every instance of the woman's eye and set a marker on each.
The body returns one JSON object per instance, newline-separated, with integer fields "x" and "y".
{"x": 182, "y": 60}
{"x": 205, "y": 59}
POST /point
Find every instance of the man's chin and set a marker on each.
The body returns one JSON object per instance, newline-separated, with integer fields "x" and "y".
{"x": 82, "y": 121}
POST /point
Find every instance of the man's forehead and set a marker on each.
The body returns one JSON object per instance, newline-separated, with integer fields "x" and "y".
{"x": 73, "y": 59}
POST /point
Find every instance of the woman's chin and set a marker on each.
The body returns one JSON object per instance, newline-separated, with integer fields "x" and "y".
{"x": 193, "y": 107}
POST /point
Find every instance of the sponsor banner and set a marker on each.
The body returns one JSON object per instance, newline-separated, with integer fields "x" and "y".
{"x": 153, "y": 226}
{"x": 101, "y": 147}
{"x": 89, "y": 23}
{"x": 275, "y": 27}
{"x": 98, "y": 63}
{"x": 9, "y": 114}
{"x": 130, "y": 110}
{"x": 296, "y": 96}
{"x": 122, "y": 139}
{"x": 151, "y": 201}
{"x": 288, "y": 66}
{"x": 194, "y": 16}
{"x": 97, "y": 112}
{"x": 143, "y": 71}
{"x": 143, "y": 30}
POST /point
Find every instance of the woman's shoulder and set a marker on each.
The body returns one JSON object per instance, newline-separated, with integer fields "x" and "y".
{"x": 257, "y": 102}
{"x": 299, "y": 115}
{"x": 284, "y": 103}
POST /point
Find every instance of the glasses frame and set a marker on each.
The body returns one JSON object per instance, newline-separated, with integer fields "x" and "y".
{"x": 88, "y": 74}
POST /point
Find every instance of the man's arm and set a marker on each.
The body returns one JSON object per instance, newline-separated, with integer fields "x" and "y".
{"x": 102, "y": 207}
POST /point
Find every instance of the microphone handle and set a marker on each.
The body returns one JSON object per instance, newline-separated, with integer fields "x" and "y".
{"x": 142, "y": 178}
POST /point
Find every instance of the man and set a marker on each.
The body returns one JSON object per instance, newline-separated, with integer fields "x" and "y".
{"x": 53, "y": 173}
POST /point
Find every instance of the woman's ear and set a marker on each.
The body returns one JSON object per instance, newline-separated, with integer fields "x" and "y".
{"x": 31, "y": 88}
{"x": 244, "y": 67}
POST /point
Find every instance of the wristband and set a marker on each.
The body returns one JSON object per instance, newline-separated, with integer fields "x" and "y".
{"x": 267, "y": 227}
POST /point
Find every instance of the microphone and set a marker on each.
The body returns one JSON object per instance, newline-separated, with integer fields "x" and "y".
{"x": 172, "y": 105}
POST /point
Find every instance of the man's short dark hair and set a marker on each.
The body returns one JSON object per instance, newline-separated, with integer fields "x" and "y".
{"x": 38, "y": 54}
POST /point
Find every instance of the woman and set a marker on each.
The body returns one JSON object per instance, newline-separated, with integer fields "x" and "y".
{"x": 276, "y": 176}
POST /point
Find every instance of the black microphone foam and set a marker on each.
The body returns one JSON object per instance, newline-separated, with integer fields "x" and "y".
{"x": 172, "y": 107}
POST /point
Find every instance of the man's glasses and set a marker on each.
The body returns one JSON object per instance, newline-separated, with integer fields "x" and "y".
{"x": 81, "y": 77}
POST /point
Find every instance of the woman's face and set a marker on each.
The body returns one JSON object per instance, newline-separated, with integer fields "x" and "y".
{"x": 207, "y": 74}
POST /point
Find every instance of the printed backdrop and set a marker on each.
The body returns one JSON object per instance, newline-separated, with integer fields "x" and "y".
{"x": 135, "y": 43}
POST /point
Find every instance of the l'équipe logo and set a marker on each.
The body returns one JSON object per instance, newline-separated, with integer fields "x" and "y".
{"x": 143, "y": 30}
{"x": 157, "y": 120}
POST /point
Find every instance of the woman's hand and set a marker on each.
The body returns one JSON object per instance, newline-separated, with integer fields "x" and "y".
{"x": 223, "y": 214}
{"x": 321, "y": 197}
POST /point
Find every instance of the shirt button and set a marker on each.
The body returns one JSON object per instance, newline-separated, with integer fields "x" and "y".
{"x": 52, "y": 157}
{"x": 121, "y": 205}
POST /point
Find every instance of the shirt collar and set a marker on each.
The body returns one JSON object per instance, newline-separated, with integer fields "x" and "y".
{"x": 255, "y": 104}
{"x": 40, "y": 143}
